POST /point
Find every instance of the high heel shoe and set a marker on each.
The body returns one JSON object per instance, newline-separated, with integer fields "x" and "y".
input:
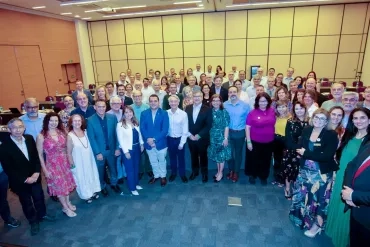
{"x": 71, "y": 206}
{"x": 69, "y": 213}
{"x": 218, "y": 180}
{"x": 288, "y": 195}
{"x": 310, "y": 234}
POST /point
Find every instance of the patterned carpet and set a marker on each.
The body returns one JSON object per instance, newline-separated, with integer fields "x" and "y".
{"x": 192, "y": 214}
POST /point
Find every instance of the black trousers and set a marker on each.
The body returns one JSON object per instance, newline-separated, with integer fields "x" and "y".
{"x": 359, "y": 235}
{"x": 199, "y": 157}
{"x": 278, "y": 150}
{"x": 236, "y": 142}
{"x": 258, "y": 160}
{"x": 4, "y": 205}
{"x": 33, "y": 203}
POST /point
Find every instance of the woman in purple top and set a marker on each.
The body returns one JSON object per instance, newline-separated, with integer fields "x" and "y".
{"x": 260, "y": 130}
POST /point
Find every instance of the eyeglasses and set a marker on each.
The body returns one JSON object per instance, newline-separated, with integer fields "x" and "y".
{"x": 349, "y": 100}
{"x": 32, "y": 107}
{"x": 322, "y": 119}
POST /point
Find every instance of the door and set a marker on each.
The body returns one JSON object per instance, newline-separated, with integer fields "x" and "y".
{"x": 31, "y": 71}
{"x": 11, "y": 91}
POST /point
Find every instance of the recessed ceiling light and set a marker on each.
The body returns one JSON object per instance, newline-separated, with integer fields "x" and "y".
{"x": 82, "y": 2}
{"x": 77, "y": 16}
{"x": 186, "y": 2}
{"x": 200, "y": 5}
{"x": 86, "y": 18}
{"x": 131, "y": 7}
{"x": 39, "y": 7}
{"x": 66, "y": 13}
{"x": 151, "y": 12}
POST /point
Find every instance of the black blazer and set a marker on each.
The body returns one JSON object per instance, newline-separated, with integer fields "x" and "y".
{"x": 361, "y": 187}
{"x": 223, "y": 93}
{"x": 204, "y": 121}
{"x": 16, "y": 165}
{"x": 128, "y": 101}
{"x": 323, "y": 151}
{"x": 321, "y": 98}
{"x": 181, "y": 87}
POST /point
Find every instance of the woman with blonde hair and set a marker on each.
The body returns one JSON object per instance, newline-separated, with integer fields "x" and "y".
{"x": 311, "y": 193}
{"x": 101, "y": 93}
{"x": 131, "y": 143}
{"x": 188, "y": 99}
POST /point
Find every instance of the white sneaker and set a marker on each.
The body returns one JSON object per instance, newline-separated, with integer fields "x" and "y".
{"x": 138, "y": 187}
{"x": 135, "y": 193}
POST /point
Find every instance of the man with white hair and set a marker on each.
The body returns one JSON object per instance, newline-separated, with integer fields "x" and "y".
{"x": 337, "y": 90}
{"x": 115, "y": 109}
{"x": 235, "y": 72}
{"x": 33, "y": 120}
{"x": 289, "y": 76}
{"x": 197, "y": 72}
{"x": 210, "y": 72}
{"x": 349, "y": 101}
{"x": 176, "y": 139}
{"x": 263, "y": 78}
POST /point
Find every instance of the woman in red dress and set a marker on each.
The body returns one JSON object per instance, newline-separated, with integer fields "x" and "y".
{"x": 52, "y": 142}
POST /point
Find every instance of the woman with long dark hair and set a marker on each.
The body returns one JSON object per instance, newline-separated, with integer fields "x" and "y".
{"x": 219, "y": 149}
{"x": 260, "y": 130}
{"x": 335, "y": 123}
{"x": 279, "y": 81}
{"x": 293, "y": 131}
{"x": 357, "y": 134}
{"x": 53, "y": 142}
{"x": 207, "y": 94}
{"x": 131, "y": 143}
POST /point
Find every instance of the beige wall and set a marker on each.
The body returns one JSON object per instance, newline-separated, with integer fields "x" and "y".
{"x": 327, "y": 39}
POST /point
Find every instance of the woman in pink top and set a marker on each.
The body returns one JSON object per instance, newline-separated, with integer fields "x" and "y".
{"x": 260, "y": 130}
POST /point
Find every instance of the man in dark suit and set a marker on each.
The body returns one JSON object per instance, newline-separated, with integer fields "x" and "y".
{"x": 80, "y": 89}
{"x": 356, "y": 194}
{"x": 101, "y": 130}
{"x": 172, "y": 88}
{"x": 124, "y": 99}
{"x": 179, "y": 86}
{"x": 218, "y": 89}
{"x": 200, "y": 123}
{"x": 20, "y": 160}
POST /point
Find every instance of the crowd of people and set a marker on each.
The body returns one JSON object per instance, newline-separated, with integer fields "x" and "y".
{"x": 318, "y": 145}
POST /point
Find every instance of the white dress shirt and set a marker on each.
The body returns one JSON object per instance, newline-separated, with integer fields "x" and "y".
{"x": 21, "y": 145}
{"x": 197, "y": 74}
{"x": 245, "y": 85}
{"x": 161, "y": 95}
{"x": 244, "y": 97}
{"x": 146, "y": 93}
{"x": 179, "y": 126}
{"x": 287, "y": 81}
{"x": 211, "y": 74}
{"x": 196, "y": 110}
{"x": 311, "y": 109}
{"x": 236, "y": 75}
{"x": 251, "y": 91}
{"x": 264, "y": 81}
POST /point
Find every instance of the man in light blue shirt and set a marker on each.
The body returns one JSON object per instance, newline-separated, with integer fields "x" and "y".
{"x": 32, "y": 119}
{"x": 238, "y": 111}
{"x": 289, "y": 77}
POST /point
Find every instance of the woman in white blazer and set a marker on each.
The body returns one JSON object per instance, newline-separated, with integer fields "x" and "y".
{"x": 131, "y": 143}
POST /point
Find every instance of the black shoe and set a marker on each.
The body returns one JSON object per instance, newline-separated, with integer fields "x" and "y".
{"x": 252, "y": 180}
{"x": 12, "y": 222}
{"x": 116, "y": 188}
{"x": 163, "y": 181}
{"x": 120, "y": 181}
{"x": 172, "y": 177}
{"x": 264, "y": 181}
{"x": 35, "y": 229}
{"x": 54, "y": 198}
{"x": 150, "y": 174}
{"x": 104, "y": 192}
{"x": 152, "y": 180}
{"x": 205, "y": 178}
{"x": 48, "y": 218}
{"x": 184, "y": 179}
{"x": 193, "y": 176}
{"x": 141, "y": 174}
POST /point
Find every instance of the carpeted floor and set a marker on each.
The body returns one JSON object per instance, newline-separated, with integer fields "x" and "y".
{"x": 192, "y": 214}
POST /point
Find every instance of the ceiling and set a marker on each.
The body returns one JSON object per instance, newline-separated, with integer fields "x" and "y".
{"x": 92, "y": 10}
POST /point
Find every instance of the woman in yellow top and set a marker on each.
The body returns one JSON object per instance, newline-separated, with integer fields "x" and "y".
{"x": 282, "y": 116}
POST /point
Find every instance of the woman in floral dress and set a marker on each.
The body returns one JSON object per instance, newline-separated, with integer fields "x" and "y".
{"x": 311, "y": 194}
{"x": 53, "y": 142}
{"x": 219, "y": 149}
{"x": 293, "y": 131}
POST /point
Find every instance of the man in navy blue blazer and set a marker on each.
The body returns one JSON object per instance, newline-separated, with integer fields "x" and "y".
{"x": 101, "y": 130}
{"x": 80, "y": 89}
{"x": 154, "y": 125}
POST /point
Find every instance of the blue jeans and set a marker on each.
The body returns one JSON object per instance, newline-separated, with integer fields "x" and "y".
{"x": 108, "y": 157}
{"x": 132, "y": 166}
{"x": 4, "y": 205}
{"x": 177, "y": 157}
{"x": 121, "y": 172}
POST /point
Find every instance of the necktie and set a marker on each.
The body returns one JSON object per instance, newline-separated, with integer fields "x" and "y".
{"x": 123, "y": 102}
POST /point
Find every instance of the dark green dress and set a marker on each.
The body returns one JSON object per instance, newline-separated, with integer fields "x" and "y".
{"x": 337, "y": 226}
{"x": 216, "y": 151}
